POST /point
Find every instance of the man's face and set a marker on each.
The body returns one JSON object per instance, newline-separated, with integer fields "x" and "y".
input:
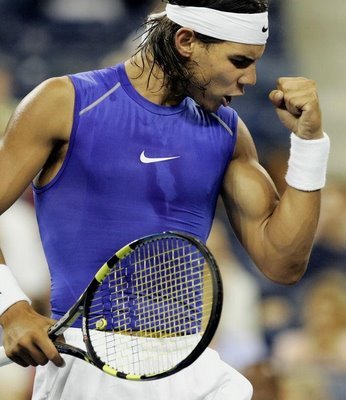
{"x": 224, "y": 69}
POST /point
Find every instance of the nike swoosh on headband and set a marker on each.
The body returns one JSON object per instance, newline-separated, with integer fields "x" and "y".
{"x": 147, "y": 160}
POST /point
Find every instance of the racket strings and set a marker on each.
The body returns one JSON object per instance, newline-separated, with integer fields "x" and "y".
{"x": 151, "y": 310}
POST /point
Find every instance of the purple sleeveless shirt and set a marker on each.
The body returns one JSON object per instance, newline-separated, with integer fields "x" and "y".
{"x": 133, "y": 168}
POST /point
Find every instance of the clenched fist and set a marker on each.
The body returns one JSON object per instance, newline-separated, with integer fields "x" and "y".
{"x": 297, "y": 105}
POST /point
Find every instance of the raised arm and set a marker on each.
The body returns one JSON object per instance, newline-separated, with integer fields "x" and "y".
{"x": 278, "y": 233}
{"x": 33, "y": 146}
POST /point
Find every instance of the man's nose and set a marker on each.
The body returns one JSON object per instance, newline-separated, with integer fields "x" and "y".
{"x": 249, "y": 76}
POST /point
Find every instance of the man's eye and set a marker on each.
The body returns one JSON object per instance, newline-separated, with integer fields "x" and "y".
{"x": 241, "y": 63}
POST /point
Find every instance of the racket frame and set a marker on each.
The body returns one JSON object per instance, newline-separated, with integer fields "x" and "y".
{"x": 210, "y": 329}
{"x": 80, "y": 308}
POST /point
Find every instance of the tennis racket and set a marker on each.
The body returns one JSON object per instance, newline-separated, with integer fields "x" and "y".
{"x": 150, "y": 311}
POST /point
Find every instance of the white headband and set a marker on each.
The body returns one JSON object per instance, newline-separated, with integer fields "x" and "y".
{"x": 232, "y": 27}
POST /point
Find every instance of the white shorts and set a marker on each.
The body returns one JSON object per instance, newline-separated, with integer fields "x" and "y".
{"x": 208, "y": 378}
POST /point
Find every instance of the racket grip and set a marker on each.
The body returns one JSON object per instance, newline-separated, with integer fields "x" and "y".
{"x": 4, "y": 360}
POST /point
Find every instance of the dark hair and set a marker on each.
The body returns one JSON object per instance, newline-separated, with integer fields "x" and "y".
{"x": 161, "y": 33}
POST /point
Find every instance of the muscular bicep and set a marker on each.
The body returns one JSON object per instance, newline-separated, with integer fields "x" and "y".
{"x": 41, "y": 120}
{"x": 249, "y": 194}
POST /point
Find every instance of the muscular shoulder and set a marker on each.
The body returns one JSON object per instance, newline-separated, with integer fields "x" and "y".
{"x": 245, "y": 148}
{"x": 40, "y": 126}
{"x": 50, "y": 105}
{"x": 246, "y": 182}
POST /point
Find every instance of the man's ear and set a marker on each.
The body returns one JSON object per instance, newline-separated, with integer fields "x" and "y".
{"x": 185, "y": 40}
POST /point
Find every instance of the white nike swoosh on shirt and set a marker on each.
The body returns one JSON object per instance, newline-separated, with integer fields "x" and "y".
{"x": 147, "y": 160}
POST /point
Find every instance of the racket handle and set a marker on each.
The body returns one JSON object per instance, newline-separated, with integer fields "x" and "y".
{"x": 4, "y": 360}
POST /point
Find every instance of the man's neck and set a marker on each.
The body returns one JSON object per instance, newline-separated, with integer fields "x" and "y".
{"x": 148, "y": 80}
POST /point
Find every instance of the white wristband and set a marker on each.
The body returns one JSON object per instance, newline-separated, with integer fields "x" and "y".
{"x": 307, "y": 164}
{"x": 10, "y": 291}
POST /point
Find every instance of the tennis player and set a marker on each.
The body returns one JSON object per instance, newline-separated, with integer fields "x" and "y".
{"x": 148, "y": 146}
